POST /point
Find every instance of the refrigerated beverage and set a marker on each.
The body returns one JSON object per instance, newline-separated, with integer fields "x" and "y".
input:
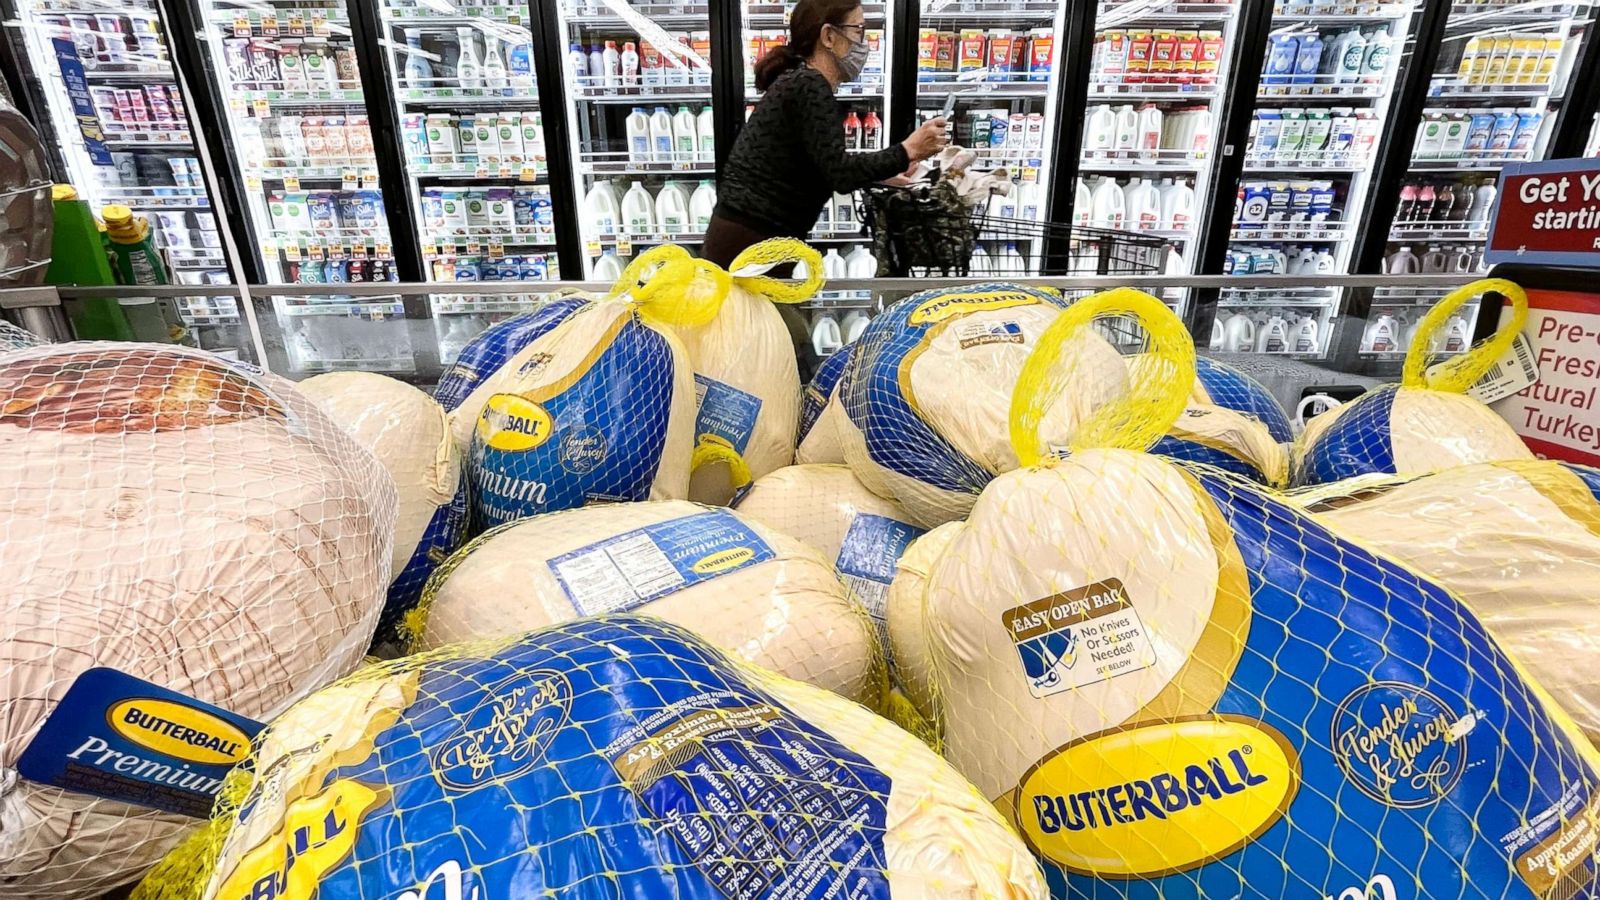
{"x": 1041, "y": 53}
{"x": 1282, "y": 55}
{"x": 611, "y": 66}
{"x": 577, "y": 63}
{"x": 1149, "y": 128}
{"x": 494, "y": 67}
{"x": 852, "y": 131}
{"x": 628, "y": 64}
{"x": 683, "y": 134}
{"x": 705, "y": 127}
{"x": 972, "y": 52}
{"x": 1377, "y": 59}
{"x": 1308, "y": 58}
{"x": 637, "y": 127}
{"x": 468, "y": 76}
{"x": 1035, "y": 134}
{"x": 872, "y": 131}
{"x": 1505, "y": 130}
{"x": 1527, "y": 133}
{"x": 701, "y": 206}
{"x": 638, "y": 210}
{"x": 1349, "y": 54}
{"x": 1125, "y": 134}
{"x": 1454, "y": 142}
{"x": 672, "y": 209}
{"x": 661, "y": 134}
{"x": 1101, "y": 132}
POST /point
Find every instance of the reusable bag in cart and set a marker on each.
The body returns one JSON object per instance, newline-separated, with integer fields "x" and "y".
{"x": 186, "y": 541}
{"x": 618, "y": 756}
{"x": 1178, "y": 685}
{"x": 598, "y": 409}
{"x": 1427, "y": 422}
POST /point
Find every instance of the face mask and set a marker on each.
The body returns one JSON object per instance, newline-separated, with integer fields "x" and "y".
{"x": 853, "y": 61}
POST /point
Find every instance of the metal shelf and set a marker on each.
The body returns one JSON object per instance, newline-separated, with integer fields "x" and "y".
{"x": 1116, "y": 15}
{"x": 511, "y": 239}
{"x": 472, "y": 97}
{"x": 1442, "y": 232}
{"x": 297, "y": 97}
{"x": 1341, "y": 165}
{"x": 1450, "y": 90}
{"x": 1487, "y": 164}
{"x": 666, "y": 94}
{"x": 149, "y": 141}
{"x": 1141, "y": 161}
{"x": 525, "y": 174}
{"x": 460, "y": 15}
{"x": 1332, "y": 232}
{"x": 1152, "y": 92}
{"x": 1321, "y": 14}
{"x": 1320, "y": 92}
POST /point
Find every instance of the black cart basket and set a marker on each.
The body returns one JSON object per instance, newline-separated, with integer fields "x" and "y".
{"x": 930, "y": 231}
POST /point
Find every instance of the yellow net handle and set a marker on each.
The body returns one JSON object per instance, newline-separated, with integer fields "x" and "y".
{"x": 749, "y": 268}
{"x": 670, "y": 287}
{"x": 1462, "y": 372}
{"x": 1159, "y": 380}
{"x": 712, "y": 449}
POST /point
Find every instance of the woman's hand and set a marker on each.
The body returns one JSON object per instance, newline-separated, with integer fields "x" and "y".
{"x": 927, "y": 140}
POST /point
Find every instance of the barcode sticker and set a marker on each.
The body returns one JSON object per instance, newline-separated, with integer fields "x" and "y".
{"x": 1514, "y": 371}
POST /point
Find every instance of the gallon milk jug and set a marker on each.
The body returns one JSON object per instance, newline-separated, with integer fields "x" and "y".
{"x": 1127, "y": 133}
{"x": 1143, "y": 206}
{"x": 701, "y": 205}
{"x": 1303, "y": 337}
{"x": 981, "y": 264}
{"x": 1110, "y": 208}
{"x": 861, "y": 264}
{"x": 638, "y": 128}
{"x": 1239, "y": 335}
{"x": 1102, "y": 128}
{"x": 638, "y": 210}
{"x": 600, "y": 210}
{"x": 826, "y": 337}
{"x": 608, "y": 267}
{"x": 685, "y": 135}
{"x": 1273, "y": 337}
{"x": 661, "y": 134}
{"x": 1149, "y": 137}
{"x": 705, "y": 132}
{"x": 833, "y": 265}
{"x": 1082, "y": 204}
{"x": 1177, "y": 207}
{"x": 672, "y": 209}
{"x": 1382, "y": 335}
{"x": 1455, "y": 335}
{"x": 1217, "y": 334}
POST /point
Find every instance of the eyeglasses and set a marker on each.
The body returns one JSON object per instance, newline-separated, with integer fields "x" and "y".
{"x": 860, "y": 27}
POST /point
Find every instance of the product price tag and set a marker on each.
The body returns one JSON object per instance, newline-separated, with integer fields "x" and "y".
{"x": 624, "y": 246}
{"x": 369, "y": 179}
{"x": 237, "y": 107}
{"x": 297, "y": 24}
{"x": 268, "y": 248}
{"x": 339, "y": 251}
{"x": 473, "y": 248}
{"x": 241, "y": 25}
{"x": 381, "y": 251}
{"x": 358, "y": 251}
{"x": 314, "y": 251}
{"x": 514, "y": 17}
{"x": 528, "y": 173}
{"x": 291, "y": 252}
{"x": 480, "y": 172}
{"x": 427, "y": 250}
{"x": 252, "y": 183}
{"x": 261, "y": 107}
{"x": 350, "y": 179}
{"x": 591, "y": 248}
{"x": 269, "y": 24}
{"x": 319, "y": 22}
{"x": 496, "y": 250}
{"x": 291, "y": 182}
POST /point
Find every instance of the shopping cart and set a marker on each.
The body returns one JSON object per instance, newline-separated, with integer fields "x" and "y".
{"x": 928, "y": 230}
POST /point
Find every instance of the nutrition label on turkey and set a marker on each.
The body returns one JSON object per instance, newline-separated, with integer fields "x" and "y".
{"x": 638, "y": 566}
{"x": 764, "y": 809}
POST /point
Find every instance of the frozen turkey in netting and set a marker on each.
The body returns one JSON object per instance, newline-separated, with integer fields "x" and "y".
{"x": 760, "y": 594}
{"x": 1427, "y": 422}
{"x": 643, "y": 762}
{"x": 487, "y": 352}
{"x": 1176, "y": 684}
{"x": 818, "y": 438}
{"x": 188, "y": 521}
{"x": 408, "y": 433}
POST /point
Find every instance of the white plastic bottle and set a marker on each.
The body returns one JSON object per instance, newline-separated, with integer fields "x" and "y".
{"x": 1483, "y": 201}
{"x": 1127, "y": 133}
{"x": 661, "y": 134}
{"x": 1030, "y": 201}
{"x": 1303, "y": 336}
{"x": 1177, "y": 207}
{"x": 844, "y": 214}
{"x": 672, "y": 209}
{"x": 1324, "y": 262}
{"x": 494, "y": 66}
{"x": 1082, "y": 204}
{"x": 638, "y": 210}
{"x": 1403, "y": 262}
{"x": 1102, "y": 131}
{"x": 611, "y": 65}
{"x": 468, "y": 75}
{"x": 1110, "y": 206}
{"x": 1011, "y": 260}
{"x": 608, "y": 267}
{"x": 981, "y": 264}
{"x": 638, "y": 128}
{"x": 1149, "y": 131}
{"x": 705, "y": 131}
{"x": 597, "y": 66}
{"x": 684, "y": 135}
{"x": 701, "y": 205}
{"x": 1273, "y": 337}
{"x": 419, "y": 72}
{"x": 833, "y": 265}
{"x": 1143, "y": 206}
{"x": 600, "y": 210}
{"x": 629, "y": 64}
{"x": 860, "y": 264}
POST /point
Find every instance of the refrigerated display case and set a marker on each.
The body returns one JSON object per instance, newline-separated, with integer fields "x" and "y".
{"x": 1500, "y": 84}
{"x": 1326, "y": 95}
{"x": 638, "y": 94}
{"x": 997, "y": 59}
{"x": 472, "y": 139}
{"x": 299, "y": 143}
{"x": 119, "y": 123}
{"x": 1157, "y": 81}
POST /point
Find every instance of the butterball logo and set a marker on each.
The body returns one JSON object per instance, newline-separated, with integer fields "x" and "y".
{"x": 179, "y": 731}
{"x": 1158, "y": 799}
{"x": 583, "y": 449}
{"x": 514, "y": 424}
{"x": 960, "y": 303}
{"x": 1400, "y": 744}
{"x": 507, "y": 733}
{"x": 723, "y": 560}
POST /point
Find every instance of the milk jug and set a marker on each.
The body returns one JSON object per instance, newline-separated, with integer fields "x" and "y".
{"x": 1455, "y": 335}
{"x": 825, "y": 336}
{"x": 661, "y": 134}
{"x": 638, "y": 128}
{"x": 1143, "y": 206}
{"x": 1110, "y": 208}
{"x": 1217, "y": 336}
{"x": 685, "y": 135}
{"x": 1273, "y": 337}
{"x": 600, "y": 210}
{"x": 1082, "y": 204}
{"x": 672, "y": 209}
{"x": 1381, "y": 335}
{"x": 1127, "y": 131}
{"x": 1303, "y": 337}
{"x": 980, "y": 264}
{"x": 705, "y": 132}
{"x": 1239, "y": 335}
{"x": 701, "y": 204}
{"x": 1177, "y": 207}
{"x": 1149, "y": 130}
{"x": 1102, "y": 128}
{"x": 1403, "y": 262}
{"x": 638, "y": 210}
{"x": 833, "y": 265}
{"x": 861, "y": 264}
{"x": 608, "y": 267}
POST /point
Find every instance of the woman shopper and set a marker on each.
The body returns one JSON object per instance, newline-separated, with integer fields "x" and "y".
{"x": 790, "y": 158}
